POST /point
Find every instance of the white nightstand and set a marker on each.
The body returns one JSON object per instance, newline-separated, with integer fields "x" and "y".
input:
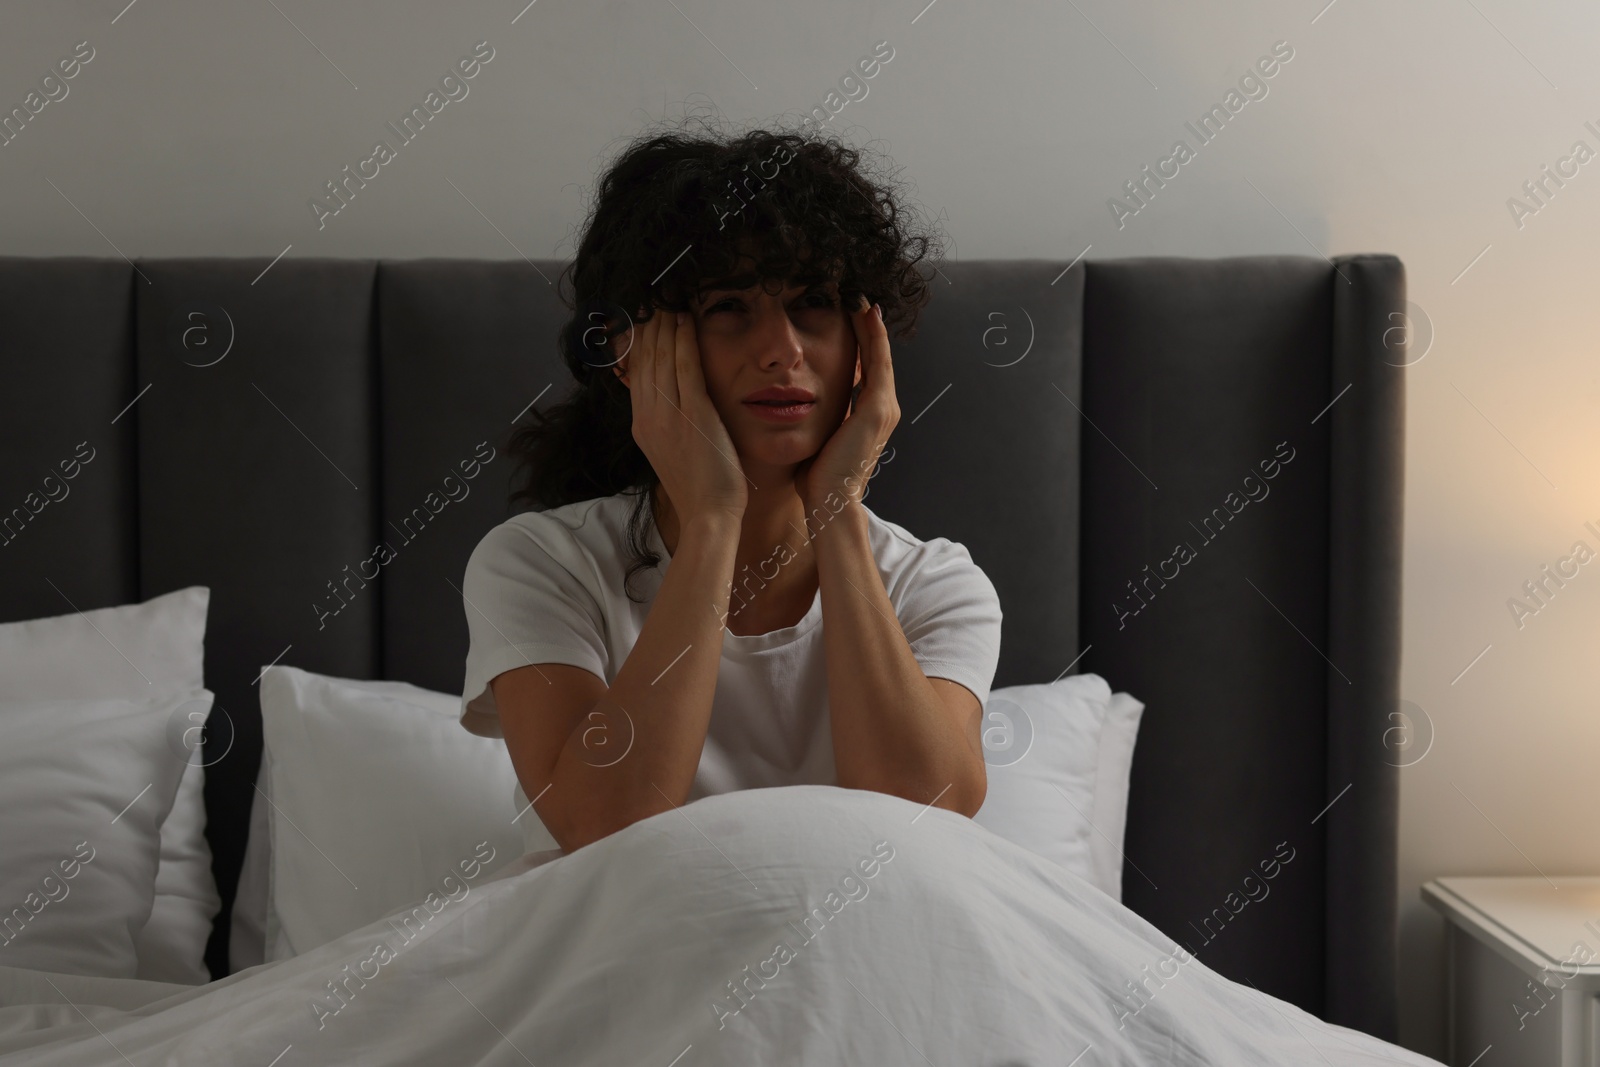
{"x": 1523, "y": 970}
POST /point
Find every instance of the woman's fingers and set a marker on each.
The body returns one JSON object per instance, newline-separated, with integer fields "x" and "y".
{"x": 645, "y": 398}
{"x": 877, "y": 365}
{"x": 673, "y": 419}
{"x": 694, "y": 400}
{"x": 666, "y": 358}
{"x": 691, "y": 379}
{"x": 665, "y": 376}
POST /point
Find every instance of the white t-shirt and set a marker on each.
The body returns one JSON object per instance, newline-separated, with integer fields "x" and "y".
{"x": 547, "y": 587}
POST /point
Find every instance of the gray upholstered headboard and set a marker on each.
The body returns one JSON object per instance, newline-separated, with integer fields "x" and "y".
{"x": 1072, "y": 427}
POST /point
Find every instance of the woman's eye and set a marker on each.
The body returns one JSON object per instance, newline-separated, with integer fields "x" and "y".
{"x": 823, "y": 299}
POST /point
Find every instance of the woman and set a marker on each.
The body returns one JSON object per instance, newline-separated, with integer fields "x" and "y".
{"x": 795, "y": 637}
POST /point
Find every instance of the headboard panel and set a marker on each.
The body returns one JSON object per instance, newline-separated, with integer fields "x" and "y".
{"x": 1207, "y": 371}
{"x": 66, "y": 376}
{"x": 366, "y": 403}
{"x": 468, "y": 345}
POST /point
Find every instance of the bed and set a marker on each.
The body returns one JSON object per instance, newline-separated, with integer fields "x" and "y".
{"x": 259, "y": 424}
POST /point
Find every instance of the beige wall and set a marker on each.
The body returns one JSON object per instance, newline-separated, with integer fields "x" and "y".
{"x": 205, "y": 128}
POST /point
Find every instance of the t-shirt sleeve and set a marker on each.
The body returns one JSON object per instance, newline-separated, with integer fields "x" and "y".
{"x": 951, "y": 617}
{"x": 525, "y": 604}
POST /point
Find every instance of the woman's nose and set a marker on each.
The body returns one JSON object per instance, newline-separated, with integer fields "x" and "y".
{"x": 777, "y": 341}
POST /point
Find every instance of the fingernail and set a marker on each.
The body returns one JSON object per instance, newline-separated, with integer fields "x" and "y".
{"x": 879, "y": 309}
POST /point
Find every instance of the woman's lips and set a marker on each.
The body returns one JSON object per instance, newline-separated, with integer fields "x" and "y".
{"x": 793, "y": 411}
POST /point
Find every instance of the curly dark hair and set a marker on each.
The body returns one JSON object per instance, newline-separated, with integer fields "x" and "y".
{"x": 674, "y": 215}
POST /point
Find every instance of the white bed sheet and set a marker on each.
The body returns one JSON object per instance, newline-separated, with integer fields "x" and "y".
{"x": 960, "y": 948}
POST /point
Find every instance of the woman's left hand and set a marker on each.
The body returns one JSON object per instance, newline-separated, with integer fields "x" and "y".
{"x": 847, "y": 459}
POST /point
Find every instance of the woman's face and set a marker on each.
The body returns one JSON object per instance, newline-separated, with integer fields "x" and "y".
{"x": 753, "y": 338}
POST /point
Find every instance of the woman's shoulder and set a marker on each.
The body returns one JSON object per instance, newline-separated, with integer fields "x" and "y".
{"x": 572, "y": 533}
{"x": 930, "y": 577}
{"x": 899, "y": 551}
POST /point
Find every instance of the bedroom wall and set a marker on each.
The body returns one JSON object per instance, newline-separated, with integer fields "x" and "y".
{"x": 207, "y": 128}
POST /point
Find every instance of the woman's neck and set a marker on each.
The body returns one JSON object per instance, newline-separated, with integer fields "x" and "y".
{"x": 772, "y": 518}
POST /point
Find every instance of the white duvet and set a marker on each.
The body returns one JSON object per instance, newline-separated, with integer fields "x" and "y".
{"x": 798, "y": 925}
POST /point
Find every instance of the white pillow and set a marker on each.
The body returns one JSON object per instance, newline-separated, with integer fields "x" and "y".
{"x": 84, "y": 788}
{"x": 1041, "y": 750}
{"x": 376, "y": 797}
{"x": 133, "y": 651}
{"x": 1111, "y": 790}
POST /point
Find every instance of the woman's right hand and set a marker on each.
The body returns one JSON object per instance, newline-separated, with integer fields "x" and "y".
{"x": 674, "y": 422}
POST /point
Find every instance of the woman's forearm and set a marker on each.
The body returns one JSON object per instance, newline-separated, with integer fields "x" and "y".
{"x": 891, "y": 731}
{"x": 658, "y": 707}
